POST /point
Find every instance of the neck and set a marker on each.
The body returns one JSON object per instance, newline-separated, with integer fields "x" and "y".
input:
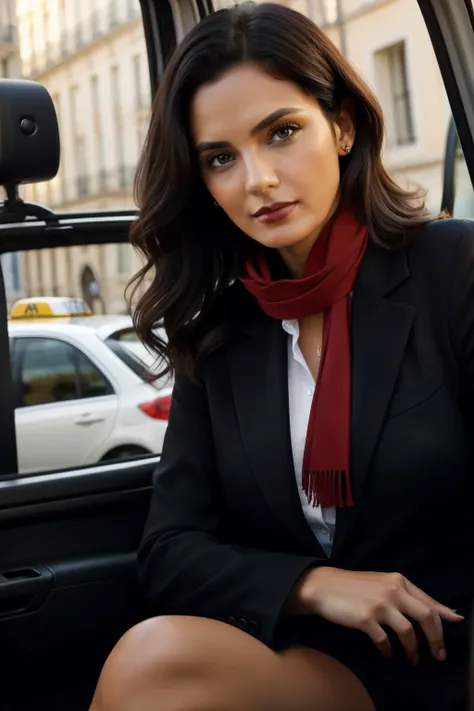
{"x": 295, "y": 255}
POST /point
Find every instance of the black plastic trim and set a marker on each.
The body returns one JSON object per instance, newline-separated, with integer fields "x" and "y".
{"x": 80, "y": 505}
{"x": 451, "y": 29}
{"x": 160, "y": 37}
{"x": 8, "y": 450}
{"x": 105, "y": 478}
{"x": 93, "y": 569}
{"x": 69, "y": 231}
{"x": 449, "y": 172}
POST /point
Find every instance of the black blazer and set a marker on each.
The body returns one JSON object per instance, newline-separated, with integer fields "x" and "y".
{"x": 226, "y": 537}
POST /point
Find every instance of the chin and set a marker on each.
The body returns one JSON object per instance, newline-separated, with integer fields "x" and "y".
{"x": 281, "y": 238}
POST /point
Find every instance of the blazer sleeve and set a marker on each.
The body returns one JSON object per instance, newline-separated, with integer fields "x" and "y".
{"x": 461, "y": 309}
{"x": 183, "y": 565}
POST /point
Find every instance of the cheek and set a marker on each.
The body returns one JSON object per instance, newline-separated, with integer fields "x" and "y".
{"x": 226, "y": 189}
{"x": 319, "y": 172}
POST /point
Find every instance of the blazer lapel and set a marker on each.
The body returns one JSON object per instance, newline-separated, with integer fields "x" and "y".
{"x": 380, "y": 329}
{"x": 258, "y": 372}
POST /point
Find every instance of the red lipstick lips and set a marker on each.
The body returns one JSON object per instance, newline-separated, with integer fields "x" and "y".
{"x": 275, "y": 213}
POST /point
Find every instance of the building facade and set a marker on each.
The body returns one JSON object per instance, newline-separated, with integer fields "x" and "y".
{"x": 92, "y": 58}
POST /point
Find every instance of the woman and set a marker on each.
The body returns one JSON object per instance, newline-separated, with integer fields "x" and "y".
{"x": 310, "y": 537}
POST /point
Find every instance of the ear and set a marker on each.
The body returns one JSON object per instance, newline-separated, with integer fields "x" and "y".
{"x": 345, "y": 128}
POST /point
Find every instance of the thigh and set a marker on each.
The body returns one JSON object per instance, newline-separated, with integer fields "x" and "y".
{"x": 310, "y": 680}
{"x": 197, "y": 664}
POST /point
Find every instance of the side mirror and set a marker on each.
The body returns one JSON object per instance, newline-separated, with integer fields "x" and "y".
{"x": 29, "y": 144}
{"x": 29, "y": 134}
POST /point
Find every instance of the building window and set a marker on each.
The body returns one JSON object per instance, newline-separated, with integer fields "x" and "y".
{"x": 32, "y": 43}
{"x": 95, "y": 98}
{"x": 123, "y": 258}
{"x": 98, "y": 135}
{"x": 79, "y": 143}
{"x": 74, "y": 94}
{"x": 62, "y": 14}
{"x": 394, "y": 93}
{"x": 116, "y": 98}
{"x": 15, "y": 271}
{"x": 46, "y": 25}
{"x": 59, "y": 195}
{"x": 39, "y": 271}
{"x": 137, "y": 80}
{"x": 54, "y": 271}
{"x": 115, "y": 86}
{"x": 330, "y": 10}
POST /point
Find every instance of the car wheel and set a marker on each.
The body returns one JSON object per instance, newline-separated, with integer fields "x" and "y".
{"x": 125, "y": 452}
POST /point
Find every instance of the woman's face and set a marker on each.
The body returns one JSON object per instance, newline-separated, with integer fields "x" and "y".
{"x": 264, "y": 145}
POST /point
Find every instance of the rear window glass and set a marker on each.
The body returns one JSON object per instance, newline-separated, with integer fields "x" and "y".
{"x": 127, "y": 346}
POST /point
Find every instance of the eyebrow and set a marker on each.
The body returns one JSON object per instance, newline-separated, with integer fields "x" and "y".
{"x": 264, "y": 123}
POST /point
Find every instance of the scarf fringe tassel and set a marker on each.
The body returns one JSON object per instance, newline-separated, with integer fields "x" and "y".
{"x": 328, "y": 488}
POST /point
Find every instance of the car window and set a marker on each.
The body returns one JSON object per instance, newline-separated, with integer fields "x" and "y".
{"x": 92, "y": 58}
{"x": 126, "y": 354}
{"x": 52, "y": 371}
{"x": 131, "y": 351}
{"x": 92, "y": 382}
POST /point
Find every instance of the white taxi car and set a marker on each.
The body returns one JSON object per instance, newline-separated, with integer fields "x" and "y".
{"x": 84, "y": 387}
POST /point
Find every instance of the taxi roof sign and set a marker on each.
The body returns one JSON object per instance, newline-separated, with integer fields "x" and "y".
{"x": 49, "y": 307}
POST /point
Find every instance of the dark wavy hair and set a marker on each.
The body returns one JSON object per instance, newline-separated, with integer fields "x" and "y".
{"x": 193, "y": 251}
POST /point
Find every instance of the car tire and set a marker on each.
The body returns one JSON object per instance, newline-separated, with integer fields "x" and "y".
{"x": 125, "y": 452}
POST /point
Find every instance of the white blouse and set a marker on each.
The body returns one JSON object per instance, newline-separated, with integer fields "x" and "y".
{"x": 300, "y": 390}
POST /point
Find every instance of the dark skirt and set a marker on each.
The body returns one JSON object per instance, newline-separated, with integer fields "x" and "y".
{"x": 396, "y": 684}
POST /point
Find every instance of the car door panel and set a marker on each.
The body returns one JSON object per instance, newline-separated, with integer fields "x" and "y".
{"x": 63, "y": 435}
{"x": 87, "y": 542}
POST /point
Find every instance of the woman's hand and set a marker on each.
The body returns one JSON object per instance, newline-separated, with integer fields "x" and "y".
{"x": 366, "y": 601}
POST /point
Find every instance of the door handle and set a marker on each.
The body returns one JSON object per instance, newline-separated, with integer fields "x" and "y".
{"x": 86, "y": 420}
{"x": 24, "y": 590}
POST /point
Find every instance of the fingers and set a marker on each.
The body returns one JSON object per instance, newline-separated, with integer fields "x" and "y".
{"x": 445, "y": 612}
{"x": 379, "y": 637}
{"x": 405, "y": 632}
{"x": 415, "y": 604}
{"x": 429, "y": 621}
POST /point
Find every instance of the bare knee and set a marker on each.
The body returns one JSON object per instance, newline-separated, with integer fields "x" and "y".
{"x": 152, "y": 652}
{"x": 196, "y": 664}
{"x": 169, "y": 656}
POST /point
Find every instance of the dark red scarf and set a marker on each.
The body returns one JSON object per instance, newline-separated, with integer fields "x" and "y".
{"x": 328, "y": 278}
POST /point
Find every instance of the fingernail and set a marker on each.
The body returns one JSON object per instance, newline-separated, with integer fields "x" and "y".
{"x": 442, "y": 655}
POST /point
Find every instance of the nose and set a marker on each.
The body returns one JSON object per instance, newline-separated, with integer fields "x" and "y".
{"x": 261, "y": 176}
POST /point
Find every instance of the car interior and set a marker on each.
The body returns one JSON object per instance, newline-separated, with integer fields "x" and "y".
{"x": 68, "y": 539}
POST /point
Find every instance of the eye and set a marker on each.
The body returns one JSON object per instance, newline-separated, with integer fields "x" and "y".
{"x": 284, "y": 132}
{"x": 219, "y": 160}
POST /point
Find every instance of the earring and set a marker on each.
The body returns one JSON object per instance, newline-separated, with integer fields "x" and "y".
{"x": 347, "y": 149}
